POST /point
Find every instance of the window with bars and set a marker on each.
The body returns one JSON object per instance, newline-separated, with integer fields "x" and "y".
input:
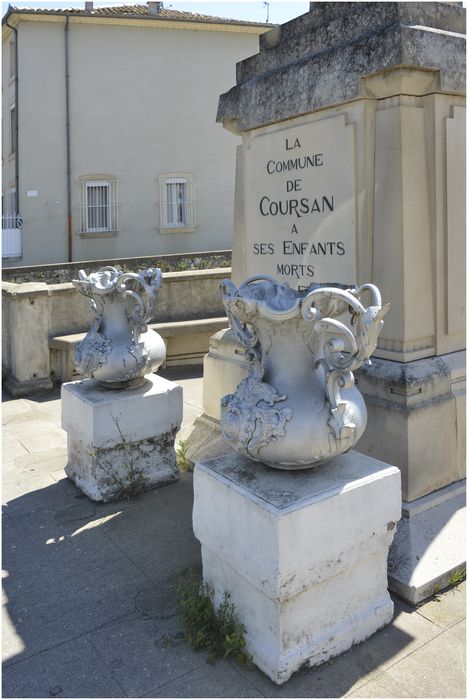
{"x": 177, "y": 206}
{"x": 98, "y": 206}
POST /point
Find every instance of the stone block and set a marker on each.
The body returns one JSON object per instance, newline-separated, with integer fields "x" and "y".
{"x": 410, "y": 406}
{"x": 429, "y": 545}
{"x": 317, "y": 59}
{"x": 303, "y": 554}
{"x": 121, "y": 441}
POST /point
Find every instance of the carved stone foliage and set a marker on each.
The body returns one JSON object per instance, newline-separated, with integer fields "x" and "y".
{"x": 251, "y": 417}
{"x": 318, "y": 337}
{"x": 119, "y": 349}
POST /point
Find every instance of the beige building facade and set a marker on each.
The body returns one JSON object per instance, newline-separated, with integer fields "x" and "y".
{"x": 110, "y": 146}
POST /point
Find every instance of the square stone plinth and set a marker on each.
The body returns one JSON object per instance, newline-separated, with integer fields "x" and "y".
{"x": 303, "y": 554}
{"x": 121, "y": 441}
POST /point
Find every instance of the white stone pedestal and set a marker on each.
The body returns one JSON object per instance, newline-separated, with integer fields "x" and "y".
{"x": 303, "y": 554}
{"x": 121, "y": 441}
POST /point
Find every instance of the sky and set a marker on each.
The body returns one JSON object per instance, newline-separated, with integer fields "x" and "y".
{"x": 277, "y": 11}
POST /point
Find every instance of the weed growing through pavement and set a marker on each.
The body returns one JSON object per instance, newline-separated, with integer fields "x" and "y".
{"x": 181, "y": 455}
{"x": 130, "y": 485}
{"x": 215, "y": 630}
{"x": 457, "y": 576}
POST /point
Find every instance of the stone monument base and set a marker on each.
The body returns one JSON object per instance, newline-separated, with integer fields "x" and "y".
{"x": 302, "y": 554}
{"x": 429, "y": 545}
{"x": 121, "y": 441}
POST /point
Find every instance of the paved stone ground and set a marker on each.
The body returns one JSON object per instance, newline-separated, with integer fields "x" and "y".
{"x": 90, "y": 601}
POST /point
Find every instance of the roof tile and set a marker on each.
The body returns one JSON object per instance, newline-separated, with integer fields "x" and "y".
{"x": 137, "y": 11}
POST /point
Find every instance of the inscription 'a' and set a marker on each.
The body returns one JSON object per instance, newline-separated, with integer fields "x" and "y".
{"x": 296, "y": 144}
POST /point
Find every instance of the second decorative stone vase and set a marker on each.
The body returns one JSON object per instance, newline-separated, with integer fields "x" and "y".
{"x": 119, "y": 349}
{"x": 298, "y": 406}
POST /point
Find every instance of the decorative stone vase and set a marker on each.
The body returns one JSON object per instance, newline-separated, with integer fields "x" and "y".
{"x": 119, "y": 349}
{"x": 298, "y": 406}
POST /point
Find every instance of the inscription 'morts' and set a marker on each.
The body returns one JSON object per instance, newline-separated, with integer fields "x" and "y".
{"x": 298, "y": 207}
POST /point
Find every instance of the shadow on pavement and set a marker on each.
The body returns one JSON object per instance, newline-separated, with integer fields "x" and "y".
{"x": 91, "y": 605}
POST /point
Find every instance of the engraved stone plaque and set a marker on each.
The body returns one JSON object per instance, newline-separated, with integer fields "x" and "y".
{"x": 299, "y": 202}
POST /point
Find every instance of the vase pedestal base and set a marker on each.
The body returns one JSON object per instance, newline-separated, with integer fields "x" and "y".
{"x": 121, "y": 441}
{"x": 302, "y": 554}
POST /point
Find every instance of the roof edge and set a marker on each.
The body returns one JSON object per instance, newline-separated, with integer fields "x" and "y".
{"x": 84, "y": 14}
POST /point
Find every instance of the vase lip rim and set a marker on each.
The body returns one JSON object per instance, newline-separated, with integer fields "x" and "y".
{"x": 105, "y": 279}
{"x": 276, "y": 300}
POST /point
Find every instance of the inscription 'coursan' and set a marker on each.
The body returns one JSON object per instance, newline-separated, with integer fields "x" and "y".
{"x": 296, "y": 207}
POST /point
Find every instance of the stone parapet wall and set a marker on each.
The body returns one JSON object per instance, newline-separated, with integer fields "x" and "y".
{"x": 65, "y": 272}
{"x": 34, "y": 312}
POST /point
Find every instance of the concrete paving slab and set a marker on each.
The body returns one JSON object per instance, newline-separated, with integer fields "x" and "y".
{"x": 407, "y": 632}
{"x": 32, "y": 425}
{"x": 49, "y": 496}
{"x": 25, "y": 485}
{"x": 459, "y": 630}
{"x": 71, "y": 670}
{"x": 36, "y": 463}
{"x": 452, "y": 610}
{"x": 330, "y": 680}
{"x": 46, "y": 441}
{"x": 438, "y": 669}
{"x": 381, "y": 686}
{"x": 45, "y": 558}
{"x": 158, "y": 536}
{"x": 13, "y": 409}
{"x": 47, "y": 401}
{"x": 145, "y": 654}
{"x": 218, "y": 681}
{"x": 88, "y": 601}
{"x": 190, "y": 413}
{"x": 12, "y": 642}
{"x": 193, "y": 391}
{"x": 12, "y": 448}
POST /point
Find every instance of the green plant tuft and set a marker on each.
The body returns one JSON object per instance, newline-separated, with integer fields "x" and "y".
{"x": 130, "y": 485}
{"x": 457, "y": 576}
{"x": 217, "y": 631}
{"x": 181, "y": 456}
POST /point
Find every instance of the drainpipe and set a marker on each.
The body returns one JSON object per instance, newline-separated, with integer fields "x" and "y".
{"x": 67, "y": 119}
{"x": 17, "y": 119}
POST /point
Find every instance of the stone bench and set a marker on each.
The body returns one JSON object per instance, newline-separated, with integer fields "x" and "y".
{"x": 186, "y": 342}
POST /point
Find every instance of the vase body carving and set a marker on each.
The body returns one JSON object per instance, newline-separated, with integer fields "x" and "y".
{"x": 119, "y": 349}
{"x": 298, "y": 406}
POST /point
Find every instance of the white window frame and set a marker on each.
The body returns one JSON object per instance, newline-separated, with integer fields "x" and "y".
{"x": 104, "y": 220}
{"x": 176, "y": 215}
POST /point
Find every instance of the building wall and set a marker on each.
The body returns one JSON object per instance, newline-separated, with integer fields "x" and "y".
{"x": 143, "y": 102}
{"x": 8, "y": 98}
